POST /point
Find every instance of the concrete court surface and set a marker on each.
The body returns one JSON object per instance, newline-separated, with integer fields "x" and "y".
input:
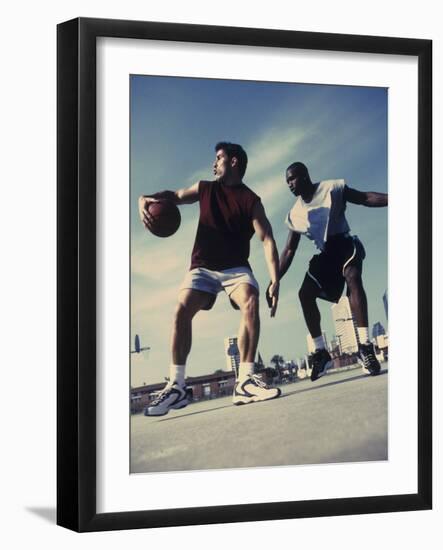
{"x": 341, "y": 417}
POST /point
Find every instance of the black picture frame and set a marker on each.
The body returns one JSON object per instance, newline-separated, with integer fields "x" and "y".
{"x": 76, "y": 264}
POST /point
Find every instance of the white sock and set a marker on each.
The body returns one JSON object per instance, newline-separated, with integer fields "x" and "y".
{"x": 177, "y": 374}
{"x": 319, "y": 342}
{"x": 363, "y": 335}
{"x": 244, "y": 370}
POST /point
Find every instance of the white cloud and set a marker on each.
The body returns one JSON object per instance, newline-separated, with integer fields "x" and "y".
{"x": 198, "y": 175}
{"x": 155, "y": 264}
{"x": 274, "y": 149}
{"x": 146, "y": 300}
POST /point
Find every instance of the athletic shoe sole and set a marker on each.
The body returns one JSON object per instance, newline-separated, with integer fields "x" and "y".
{"x": 180, "y": 405}
{"x": 245, "y": 400}
{"x": 367, "y": 371}
{"x": 327, "y": 366}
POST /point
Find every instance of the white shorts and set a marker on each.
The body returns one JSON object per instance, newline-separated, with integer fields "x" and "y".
{"x": 214, "y": 282}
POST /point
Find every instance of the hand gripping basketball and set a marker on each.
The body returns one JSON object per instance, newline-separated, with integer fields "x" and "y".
{"x": 161, "y": 217}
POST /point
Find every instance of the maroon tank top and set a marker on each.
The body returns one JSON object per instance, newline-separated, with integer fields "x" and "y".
{"x": 225, "y": 226}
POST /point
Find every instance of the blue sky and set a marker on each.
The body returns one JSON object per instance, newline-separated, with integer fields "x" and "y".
{"x": 337, "y": 131}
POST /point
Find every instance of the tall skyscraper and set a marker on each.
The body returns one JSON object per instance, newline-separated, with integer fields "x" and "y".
{"x": 310, "y": 342}
{"x": 345, "y": 327}
{"x": 333, "y": 345}
{"x": 378, "y": 330}
{"x": 385, "y": 303}
{"x": 232, "y": 353}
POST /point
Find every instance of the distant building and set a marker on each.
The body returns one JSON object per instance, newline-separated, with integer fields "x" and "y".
{"x": 382, "y": 347}
{"x": 302, "y": 368}
{"x": 378, "y": 330}
{"x": 385, "y": 303}
{"x": 382, "y": 341}
{"x": 308, "y": 366}
{"x": 310, "y": 342}
{"x": 289, "y": 371}
{"x": 208, "y": 386}
{"x": 232, "y": 354}
{"x": 345, "y": 328}
{"x": 334, "y": 348}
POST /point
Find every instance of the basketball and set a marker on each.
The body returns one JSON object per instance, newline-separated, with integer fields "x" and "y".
{"x": 164, "y": 218}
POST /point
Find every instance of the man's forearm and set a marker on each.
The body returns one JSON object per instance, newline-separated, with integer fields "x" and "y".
{"x": 376, "y": 200}
{"x": 271, "y": 256}
{"x": 285, "y": 261}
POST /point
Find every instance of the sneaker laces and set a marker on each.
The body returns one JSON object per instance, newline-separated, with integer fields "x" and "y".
{"x": 258, "y": 381}
{"x": 162, "y": 396}
{"x": 368, "y": 355}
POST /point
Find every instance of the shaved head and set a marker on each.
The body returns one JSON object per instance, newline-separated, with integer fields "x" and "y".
{"x": 298, "y": 180}
{"x": 298, "y": 168}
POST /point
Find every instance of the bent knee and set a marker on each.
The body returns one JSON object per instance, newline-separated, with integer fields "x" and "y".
{"x": 307, "y": 293}
{"x": 250, "y": 305}
{"x": 183, "y": 312}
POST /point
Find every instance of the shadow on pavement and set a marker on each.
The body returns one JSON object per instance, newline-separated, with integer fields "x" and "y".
{"x": 311, "y": 388}
{"x": 329, "y": 384}
{"x": 196, "y": 412}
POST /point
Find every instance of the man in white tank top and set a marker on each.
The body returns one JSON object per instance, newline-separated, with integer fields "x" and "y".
{"x": 319, "y": 214}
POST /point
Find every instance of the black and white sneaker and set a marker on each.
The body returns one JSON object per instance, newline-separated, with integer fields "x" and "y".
{"x": 253, "y": 389}
{"x": 367, "y": 359}
{"x": 321, "y": 362}
{"x": 172, "y": 397}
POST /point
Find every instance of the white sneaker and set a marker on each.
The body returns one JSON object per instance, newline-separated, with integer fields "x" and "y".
{"x": 172, "y": 397}
{"x": 253, "y": 389}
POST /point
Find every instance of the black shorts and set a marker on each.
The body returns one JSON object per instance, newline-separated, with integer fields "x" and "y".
{"x": 327, "y": 268}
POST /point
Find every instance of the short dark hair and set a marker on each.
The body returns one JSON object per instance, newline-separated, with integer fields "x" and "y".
{"x": 299, "y": 168}
{"x": 234, "y": 150}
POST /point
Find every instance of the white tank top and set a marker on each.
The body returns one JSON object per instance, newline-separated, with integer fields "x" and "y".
{"x": 323, "y": 216}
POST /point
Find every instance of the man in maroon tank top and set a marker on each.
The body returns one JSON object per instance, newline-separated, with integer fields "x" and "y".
{"x": 230, "y": 213}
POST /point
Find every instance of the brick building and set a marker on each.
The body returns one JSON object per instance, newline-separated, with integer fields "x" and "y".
{"x": 208, "y": 386}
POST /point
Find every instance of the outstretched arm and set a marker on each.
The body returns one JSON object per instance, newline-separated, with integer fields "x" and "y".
{"x": 285, "y": 259}
{"x": 365, "y": 198}
{"x": 264, "y": 231}
{"x": 188, "y": 195}
{"x": 288, "y": 252}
